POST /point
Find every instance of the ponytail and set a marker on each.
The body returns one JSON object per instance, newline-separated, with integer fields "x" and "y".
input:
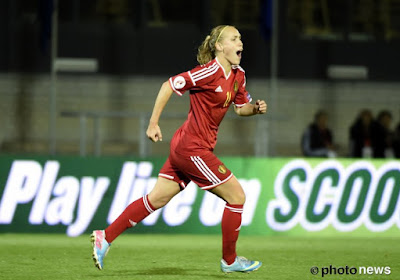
{"x": 206, "y": 51}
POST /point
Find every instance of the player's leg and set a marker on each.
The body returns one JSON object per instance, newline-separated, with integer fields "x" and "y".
{"x": 209, "y": 173}
{"x": 232, "y": 192}
{"x": 163, "y": 191}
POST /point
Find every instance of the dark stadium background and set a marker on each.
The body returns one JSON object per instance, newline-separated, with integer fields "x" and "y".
{"x": 131, "y": 37}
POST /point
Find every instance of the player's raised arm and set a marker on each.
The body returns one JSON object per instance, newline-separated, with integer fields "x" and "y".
{"x": 260, "y": 107}
{"x": 153, "y": 130}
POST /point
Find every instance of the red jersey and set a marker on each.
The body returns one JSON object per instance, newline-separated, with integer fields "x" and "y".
{"x": 211, "y": 93}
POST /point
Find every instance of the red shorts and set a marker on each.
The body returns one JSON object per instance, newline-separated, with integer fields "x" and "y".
{"x": 206, "y": 170}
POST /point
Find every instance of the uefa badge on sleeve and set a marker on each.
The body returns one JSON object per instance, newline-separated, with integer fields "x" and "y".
{"x": 179, "y": 82}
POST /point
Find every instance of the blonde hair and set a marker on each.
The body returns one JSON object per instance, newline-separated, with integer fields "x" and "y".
{"x": 206, "y": 51}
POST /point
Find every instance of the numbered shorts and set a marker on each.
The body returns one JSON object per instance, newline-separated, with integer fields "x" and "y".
{"x": 206, "y": 170}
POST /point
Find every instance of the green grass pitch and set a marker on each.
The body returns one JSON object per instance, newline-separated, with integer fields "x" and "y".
{"x": 154, "y": 256}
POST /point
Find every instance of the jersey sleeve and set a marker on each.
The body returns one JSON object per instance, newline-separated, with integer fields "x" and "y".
{"x": 242, "y": 96}
{"x": 181, "y": 83}
{"x": 193, "y": 79}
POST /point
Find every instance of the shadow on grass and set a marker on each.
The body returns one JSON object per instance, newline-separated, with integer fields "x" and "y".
{"x": 176, "y": 271}
{"x": 171, "y": 271}
{"x": 162, "y": 271}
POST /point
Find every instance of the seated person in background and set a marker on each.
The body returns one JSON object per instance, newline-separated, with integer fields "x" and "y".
{"x": 396, "y": 145}
{"x": 361, "y": 135}
{"x": 317, "y": 139}
{"x": 382, "y": 136}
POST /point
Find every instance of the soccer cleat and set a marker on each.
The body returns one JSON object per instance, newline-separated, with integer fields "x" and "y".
{"x": 241, "y": 264}
{"x": 100, "y": 247}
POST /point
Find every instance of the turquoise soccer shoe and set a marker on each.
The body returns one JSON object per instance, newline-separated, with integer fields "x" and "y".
{"x": 100, "y": 247}
{"x": 241, "y": 264}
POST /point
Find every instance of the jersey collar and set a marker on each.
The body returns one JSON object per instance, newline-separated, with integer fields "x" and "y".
{"x": 222, "y": 68}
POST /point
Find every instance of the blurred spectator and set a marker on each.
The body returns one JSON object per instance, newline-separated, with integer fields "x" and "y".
{"x": 382, "y": 136}
{"x": 361, "y": 135}
{"x": 396, "y": 145}
{"x": 317, "y": 139}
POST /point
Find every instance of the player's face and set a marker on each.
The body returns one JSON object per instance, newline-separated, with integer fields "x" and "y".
{"x": 232, "y": 46}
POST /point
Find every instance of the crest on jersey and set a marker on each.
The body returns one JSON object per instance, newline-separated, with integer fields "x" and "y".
{"x": 222, "y": 169}
{"x": 236, "y": 86}
{"x": 179, "y": 82}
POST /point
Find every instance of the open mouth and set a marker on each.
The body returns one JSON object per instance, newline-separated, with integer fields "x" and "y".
{"x": 239, "y": 54}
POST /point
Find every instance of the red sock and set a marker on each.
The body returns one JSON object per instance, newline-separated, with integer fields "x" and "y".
{"x": 231, "y": 223}
{"x": 133, "y": 214}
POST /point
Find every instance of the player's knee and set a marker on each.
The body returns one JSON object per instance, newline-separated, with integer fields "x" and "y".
{"x": 163, "y": 192}
{"x": 242, "y": 197}
{"x": 158, "y": 201}
{"x": 238, "y": 197}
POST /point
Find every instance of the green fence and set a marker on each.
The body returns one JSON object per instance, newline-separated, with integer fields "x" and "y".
{"x": 284, "y": 196}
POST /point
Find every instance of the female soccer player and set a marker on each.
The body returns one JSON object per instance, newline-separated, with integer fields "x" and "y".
{"x": 216, "y": 83}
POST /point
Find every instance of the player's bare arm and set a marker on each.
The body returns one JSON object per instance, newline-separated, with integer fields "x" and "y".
{"x": 260, "y": 107}
{"x": 153, "y": 131}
